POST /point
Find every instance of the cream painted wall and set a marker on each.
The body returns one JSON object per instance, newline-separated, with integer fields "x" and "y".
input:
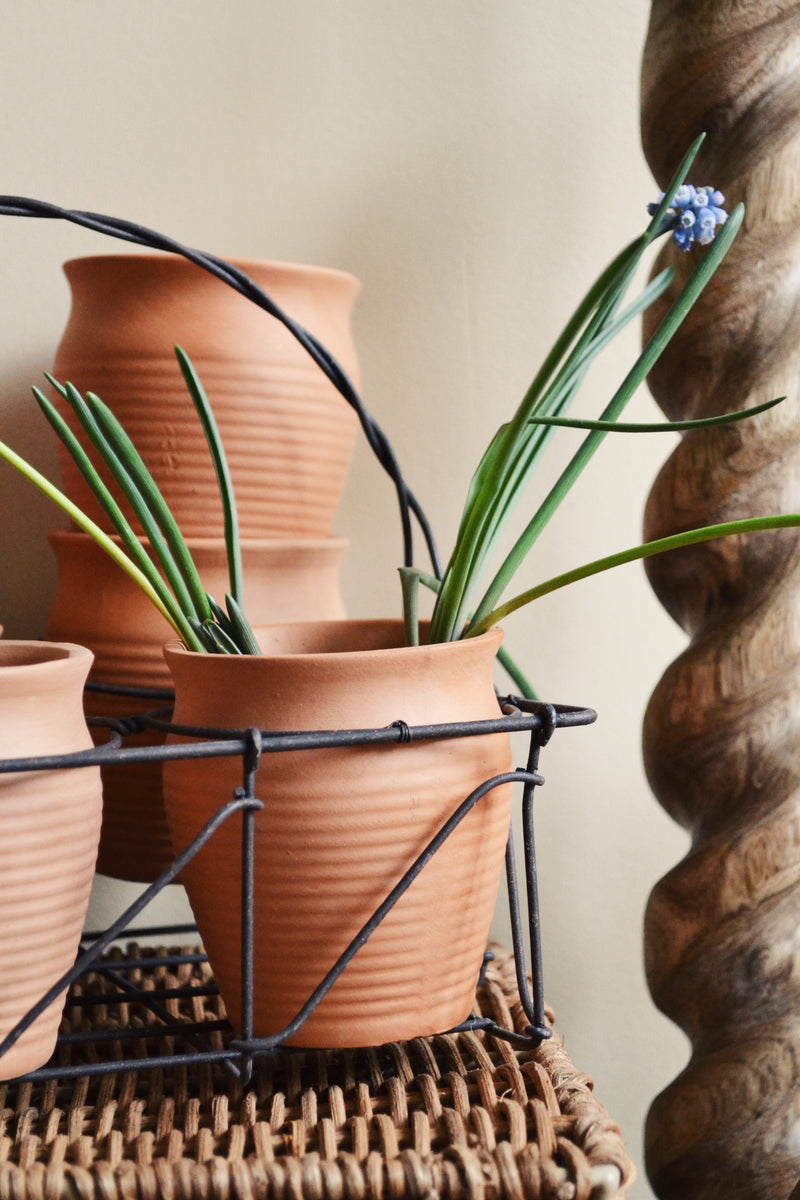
{"x": 475, "y": 164}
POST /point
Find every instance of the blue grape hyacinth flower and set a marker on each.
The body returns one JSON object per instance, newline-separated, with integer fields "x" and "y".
{"x": 693, "y": 215}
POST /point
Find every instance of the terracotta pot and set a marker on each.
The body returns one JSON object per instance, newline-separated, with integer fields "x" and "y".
{"x": 339, "y": 828}
{"x": 288, "y": 435}
{"x": 49, "y": 827}
{"x": 97, "y": 605}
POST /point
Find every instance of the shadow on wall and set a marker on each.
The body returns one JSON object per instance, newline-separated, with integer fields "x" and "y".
{"x": 27, "y": 565}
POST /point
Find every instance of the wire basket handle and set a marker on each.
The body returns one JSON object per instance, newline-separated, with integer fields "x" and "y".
{"x": 128, "y": 231}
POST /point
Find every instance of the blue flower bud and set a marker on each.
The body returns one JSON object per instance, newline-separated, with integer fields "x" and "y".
{"x": 683, "y": 238}
{"x": 693, "y": 215}
{"x": 705, "y": 226}
{"x": 684, "y": 196}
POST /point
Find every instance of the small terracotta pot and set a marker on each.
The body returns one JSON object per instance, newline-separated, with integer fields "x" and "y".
{"x": 288, "y": 434}
{"x": 97, "y": 605}
{"x": 49, "y": 828}
{"x": 340, "y": 827}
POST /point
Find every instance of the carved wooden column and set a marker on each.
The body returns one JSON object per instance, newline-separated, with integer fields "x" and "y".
{"x": 722, "y": 731}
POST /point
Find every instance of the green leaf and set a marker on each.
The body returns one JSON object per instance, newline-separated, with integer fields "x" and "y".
{"x": 658, "y": 426}
{"x": 224, "y": 481}
{"x": 102, "y": 539}
{"x": 123, "y": 461}
{"x": 135, "y": 551}
{"x": 144, "y": 497}
{"x": 692, "y": 289}
{"x": 501, "y": 479}
{"x": 677, "y": 541}
{"x": 207, "y": 642}
{"x": 219, "y": 615}
{"x": 223, "y": 643}
{"x": 516, "y": 449}
{"x": 511, "y": 456}
{"x": 522, "y": 684}
{"x": 684, "y": 167}
{"x": 240, "y": 630}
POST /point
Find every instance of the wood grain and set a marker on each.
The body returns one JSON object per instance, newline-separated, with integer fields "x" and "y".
{"x": 722, "y": 730}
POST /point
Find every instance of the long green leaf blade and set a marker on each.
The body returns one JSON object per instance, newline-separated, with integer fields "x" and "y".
{"x": 223, "y": 643}
{"x": 240, "y": 629}
{"x": 135, "y": 551}
{"x": 654, "y": 229}
{"x": 146, "y": 500}
{"x": 224, "y": 481}
{"x": 102, "y": 539}
{"x": 692, "y": 289}
{"x": 676, "y": 541}
{"x": 659, "y": 426}
{"x": 87, "y": 411}
{"x": 517, "y": 452}
{"x": 490, "y": 504}
{"x": 97, "y": 487}
{"x": 517, "y": 474}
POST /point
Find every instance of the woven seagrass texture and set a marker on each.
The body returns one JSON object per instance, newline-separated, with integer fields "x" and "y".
{"x": 457, "y": 1115}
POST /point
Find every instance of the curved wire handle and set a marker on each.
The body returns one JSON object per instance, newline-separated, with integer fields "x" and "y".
{"x": 20, "y": 206}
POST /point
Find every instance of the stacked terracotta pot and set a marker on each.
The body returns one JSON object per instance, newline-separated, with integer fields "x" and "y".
{"x": 49, "y": 827}
{"x": 288, "y": 436}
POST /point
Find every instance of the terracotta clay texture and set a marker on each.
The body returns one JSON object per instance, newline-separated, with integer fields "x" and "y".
{"x": 97, "y": 605}
{"x": 49, "y": 828}
{"x": 287, "y": 433}
{"x": 340, "y": 827}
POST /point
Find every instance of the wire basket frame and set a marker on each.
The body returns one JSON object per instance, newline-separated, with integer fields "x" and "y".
{"x": 539, "y": 720}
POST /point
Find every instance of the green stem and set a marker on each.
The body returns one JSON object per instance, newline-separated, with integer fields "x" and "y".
{"x": 412, "y": 578}
{"x": 521, "y": 683}
{"x": 409, "y": 582}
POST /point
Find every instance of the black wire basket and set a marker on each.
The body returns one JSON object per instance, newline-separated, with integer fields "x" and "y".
{"x": 538, "y": 720}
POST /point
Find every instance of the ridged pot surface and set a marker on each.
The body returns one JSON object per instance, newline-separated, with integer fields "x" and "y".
{"x": 49, "y": 829}
{"x": 97, "y": 605}
{"x": 288, "y": 434}
{"x": 340, "y": 827}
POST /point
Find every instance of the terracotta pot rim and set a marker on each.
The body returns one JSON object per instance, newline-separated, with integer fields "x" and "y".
{"x": 30, "y": 653}
{"x": 332, "y": 542}
{"x": 248, "y": 265}
{"x": 437, "y": 649}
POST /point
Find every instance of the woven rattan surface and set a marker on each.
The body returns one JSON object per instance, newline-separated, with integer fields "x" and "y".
{"x": 459, "y": 1115}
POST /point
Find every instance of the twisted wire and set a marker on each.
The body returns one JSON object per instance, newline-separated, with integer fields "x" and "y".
{"x": 20, "y": 206}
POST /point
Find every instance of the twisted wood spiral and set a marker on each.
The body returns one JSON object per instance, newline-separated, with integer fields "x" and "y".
{"x": 722, "y": 730}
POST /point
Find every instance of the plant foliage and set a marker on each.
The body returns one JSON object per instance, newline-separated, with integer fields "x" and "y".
{"x": 471, "y": 594}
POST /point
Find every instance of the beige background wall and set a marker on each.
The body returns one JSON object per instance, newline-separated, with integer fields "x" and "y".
{"x": 475, "y": 164}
